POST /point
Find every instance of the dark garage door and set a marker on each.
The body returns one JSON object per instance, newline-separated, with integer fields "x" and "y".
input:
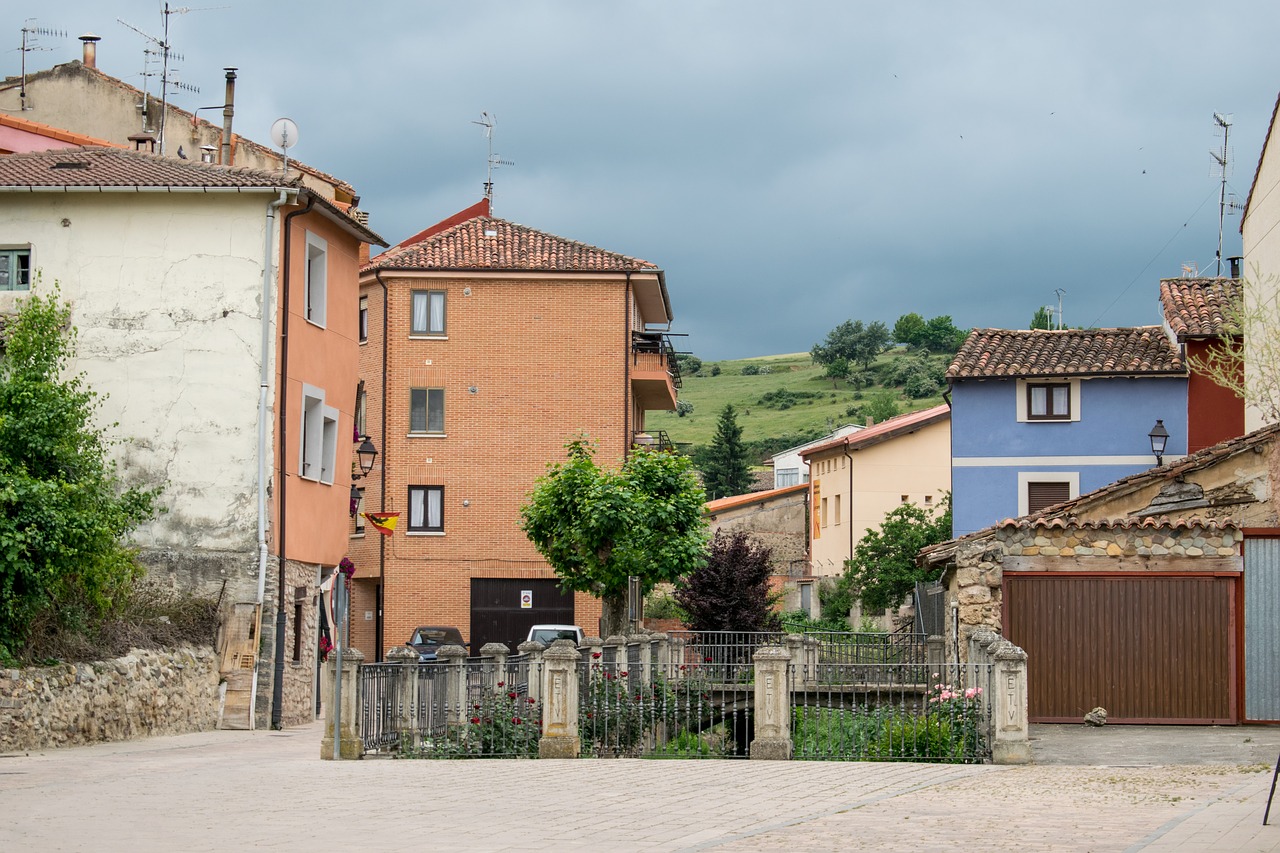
{"x": 1151, "y": 649}
{"x": 497, "y": 617}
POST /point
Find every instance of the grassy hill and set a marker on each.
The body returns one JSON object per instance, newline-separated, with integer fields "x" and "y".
{"x": 790, "y": 396}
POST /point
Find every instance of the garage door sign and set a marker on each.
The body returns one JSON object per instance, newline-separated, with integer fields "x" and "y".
{"x": 526, "y": 599}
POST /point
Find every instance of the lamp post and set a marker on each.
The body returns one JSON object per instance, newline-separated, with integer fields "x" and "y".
{"x": 1159, "y": 439}
{"x": 366, "y": 453}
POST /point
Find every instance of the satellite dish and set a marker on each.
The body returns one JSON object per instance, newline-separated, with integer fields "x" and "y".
{"x": 284, "y": 133}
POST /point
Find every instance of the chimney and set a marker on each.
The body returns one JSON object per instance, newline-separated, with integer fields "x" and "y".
{"x": 90, "y": 49}
{"x": 871, "y": 421}
{"x": 228, "y": 110}
{"x": 1235, "y": 266}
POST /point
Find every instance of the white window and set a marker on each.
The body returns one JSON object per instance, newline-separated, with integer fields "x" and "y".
{"x": 318, "y": 452}
{"x": 1039, "y": 489}
{"x": 426, "y": 410}
{"x": 1040, "y": 401}
{"x": 784, "y": 477}
{"x": 15, "y": 269}
{"x": 428, "y": 312}
{"x": 364, "y": 319}
{"x": 426, "y": 509}
{"x": 357, "y": 512}
{"x": 317, "y": 276}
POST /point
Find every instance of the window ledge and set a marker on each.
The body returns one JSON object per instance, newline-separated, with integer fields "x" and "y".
{"x": 314, "y": 323}
{"x": 424, "y": 533}
{"x": 359, "y": 535}
{"x": 422, "y": 336}
{"x": 427, "y": 435}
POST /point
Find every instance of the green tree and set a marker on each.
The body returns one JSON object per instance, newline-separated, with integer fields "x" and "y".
{"x": 837, "y": 369}
{"x": 727, "y": 469}
{"x": 941, "y": 335}
{"x": 64, "y": 513}
{"x": 883, "y": 569}
{"x": 1041, "y": 319}
{"x": 909, "y": 329}
{"x": 881, "y": 406}
{"x": 854, "y": 341}
{"x": 731, "y": 591}
{"x": 597, "y": 527}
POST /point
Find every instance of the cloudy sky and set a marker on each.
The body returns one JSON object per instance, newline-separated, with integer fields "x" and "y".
{"x": 788, "y": 164}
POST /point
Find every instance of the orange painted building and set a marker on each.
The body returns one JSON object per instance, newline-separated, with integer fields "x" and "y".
{"x": 487, "y": 346}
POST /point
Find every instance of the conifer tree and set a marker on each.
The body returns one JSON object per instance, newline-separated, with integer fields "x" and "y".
{"x": 727, "y": 470}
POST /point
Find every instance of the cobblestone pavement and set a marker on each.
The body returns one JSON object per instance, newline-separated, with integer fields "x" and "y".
{"x": 270, "y": 790}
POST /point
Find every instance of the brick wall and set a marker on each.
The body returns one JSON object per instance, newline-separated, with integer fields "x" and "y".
{"x": 527, "y": 364}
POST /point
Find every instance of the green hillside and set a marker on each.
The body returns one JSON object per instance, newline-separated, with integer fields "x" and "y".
{"x": 792, "y": 398}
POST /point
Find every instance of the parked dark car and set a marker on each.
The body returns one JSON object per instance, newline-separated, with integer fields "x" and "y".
{"x": 428, "y": 639}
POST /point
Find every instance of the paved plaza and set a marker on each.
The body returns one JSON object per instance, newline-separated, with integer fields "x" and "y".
{"x": 269, "y": 790}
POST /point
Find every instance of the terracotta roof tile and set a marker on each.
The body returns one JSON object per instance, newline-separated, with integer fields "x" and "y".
{"x": 883, "y": 431}
{"x": 1193, "y": 307}
{"x": 1071, "y": 352}
{"x": 485, "y": 243}
{"x": 114, "y": 167}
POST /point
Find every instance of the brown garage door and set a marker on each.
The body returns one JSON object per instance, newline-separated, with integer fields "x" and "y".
{"x": 497, "y": 614}
{"x": 1149, "y": 649}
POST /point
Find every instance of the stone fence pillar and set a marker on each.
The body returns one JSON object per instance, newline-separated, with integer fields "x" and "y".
{"x": 560, "y": 701}
{"x": 532, "y": 650}
{"x": 455, "y": 684}
{"x": 349, "y": 743}
{"x": 795, "y": 653}
{"x": 616, "y": 652}
{"x": 812, "y": 648}
{"x": 497, "y": 673}
{"x": 1011, "y": 744}
{"x": 773, "y": 705}
{"x": 662, "y": 654}
{"x": 406, "y": 694}
{"x": 646, "y": 663}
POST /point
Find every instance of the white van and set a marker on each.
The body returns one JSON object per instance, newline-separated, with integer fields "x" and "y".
{"x": 548, "y": 634}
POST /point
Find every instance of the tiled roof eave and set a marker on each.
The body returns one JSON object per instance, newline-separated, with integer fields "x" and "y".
{"x": 1073, "y": 374}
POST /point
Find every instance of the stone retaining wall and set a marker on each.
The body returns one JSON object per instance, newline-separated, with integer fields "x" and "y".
{"x": 142, "y": 694}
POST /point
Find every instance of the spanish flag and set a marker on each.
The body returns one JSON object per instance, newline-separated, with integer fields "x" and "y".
{"x": 383, "y": 522}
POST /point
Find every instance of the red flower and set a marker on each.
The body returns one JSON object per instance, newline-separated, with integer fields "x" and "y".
{"x": 515, "y": 720}
{"x": 588, "y": 715}
{"x": 477, "y": 706}
{"x": 707, "y": 660}
{"x": 475, "y": 720}
{"x": 623, "y": 674}
{"x": 511, "y": 695}
{"x": 595, "y": 654}
{"x": 532, "y": 701}
{"x": 504, "y": 684}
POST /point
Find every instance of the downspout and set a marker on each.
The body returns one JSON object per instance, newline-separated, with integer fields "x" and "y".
{"x": 626, "y": 375}
{"x": 264, "y": 379}
{"x": 277, "y": 685}
{"x": 382, "y": 489}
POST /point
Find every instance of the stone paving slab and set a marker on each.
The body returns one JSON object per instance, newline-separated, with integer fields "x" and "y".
{"x": 270, "y": 791}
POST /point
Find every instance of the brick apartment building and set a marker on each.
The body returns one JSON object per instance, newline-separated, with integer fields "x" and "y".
{"x": 500, "y": 344}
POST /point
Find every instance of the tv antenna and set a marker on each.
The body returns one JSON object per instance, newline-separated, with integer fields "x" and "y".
{"x": 487, "y": 122}
{"x": 1223, "y": 167}
{"x": 164, "y": 49}
{"x": 284, "y": 133}
{"x": 30, "y": 34}
{"x": 1061, "y": 293}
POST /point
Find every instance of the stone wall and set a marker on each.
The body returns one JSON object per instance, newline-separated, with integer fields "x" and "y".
{"x": 142, "y": 694}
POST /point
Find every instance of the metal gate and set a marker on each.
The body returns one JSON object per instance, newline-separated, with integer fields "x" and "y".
{"x": 1261, "y": 634}
{"x": 1150, "y": 648}
{"x": 499, "y": 614}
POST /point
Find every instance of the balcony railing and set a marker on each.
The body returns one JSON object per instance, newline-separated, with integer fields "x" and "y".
{"x": 654, "y": 439}
{"x": 655, "y": 349}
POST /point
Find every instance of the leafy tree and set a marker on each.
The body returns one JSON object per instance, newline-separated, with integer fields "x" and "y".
{"x": 837, "y": 369}
{"x": 883, "y": 569}
{"x": 64, "y": 513}
{"x": 941, "y": 335}
{"x": 1041, "y": 319}
{"x": 853, "y": 341}
{"x": 598, "y": 527}
{"x": 881, "y": 406}
{"x": 731, "y": 591}
{"x": 727, "y": 470}
{"x": 683, "y": 407}
{"x": 909, "y": 329}
{"x": 688, "y": 363}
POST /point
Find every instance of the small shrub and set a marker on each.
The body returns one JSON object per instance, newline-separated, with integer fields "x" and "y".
{"x": 751, "y": 370}
{"x": 683, "y": 407}
{"x": 715, "y": 370}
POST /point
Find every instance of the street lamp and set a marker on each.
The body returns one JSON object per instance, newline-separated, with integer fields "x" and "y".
{"x": 366, "y": 453}
{"x": 1159, "y": 438}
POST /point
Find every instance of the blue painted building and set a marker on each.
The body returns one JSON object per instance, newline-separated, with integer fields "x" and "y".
{"x": 1039, "y": 417}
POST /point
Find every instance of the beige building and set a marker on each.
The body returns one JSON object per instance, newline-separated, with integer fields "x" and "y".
{"x": 858, "y": 478}
{"x": 1261, "y": 246}
{"x": 778, "y": 519}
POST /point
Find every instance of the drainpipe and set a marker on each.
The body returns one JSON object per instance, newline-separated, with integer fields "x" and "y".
{"x": 264, "y": 379}
{"x": 626, "y": 375}
{"x": 277, "y": 686}
{"x": 382, "y": 488}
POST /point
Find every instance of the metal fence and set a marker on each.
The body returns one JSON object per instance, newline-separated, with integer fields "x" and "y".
{"x": 892, "y": 712}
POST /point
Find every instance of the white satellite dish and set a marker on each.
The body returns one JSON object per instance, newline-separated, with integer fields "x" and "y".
{"x": 284, "y": 133}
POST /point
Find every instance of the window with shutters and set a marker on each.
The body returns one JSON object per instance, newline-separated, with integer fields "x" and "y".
{"x": 1041, "y": 494}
